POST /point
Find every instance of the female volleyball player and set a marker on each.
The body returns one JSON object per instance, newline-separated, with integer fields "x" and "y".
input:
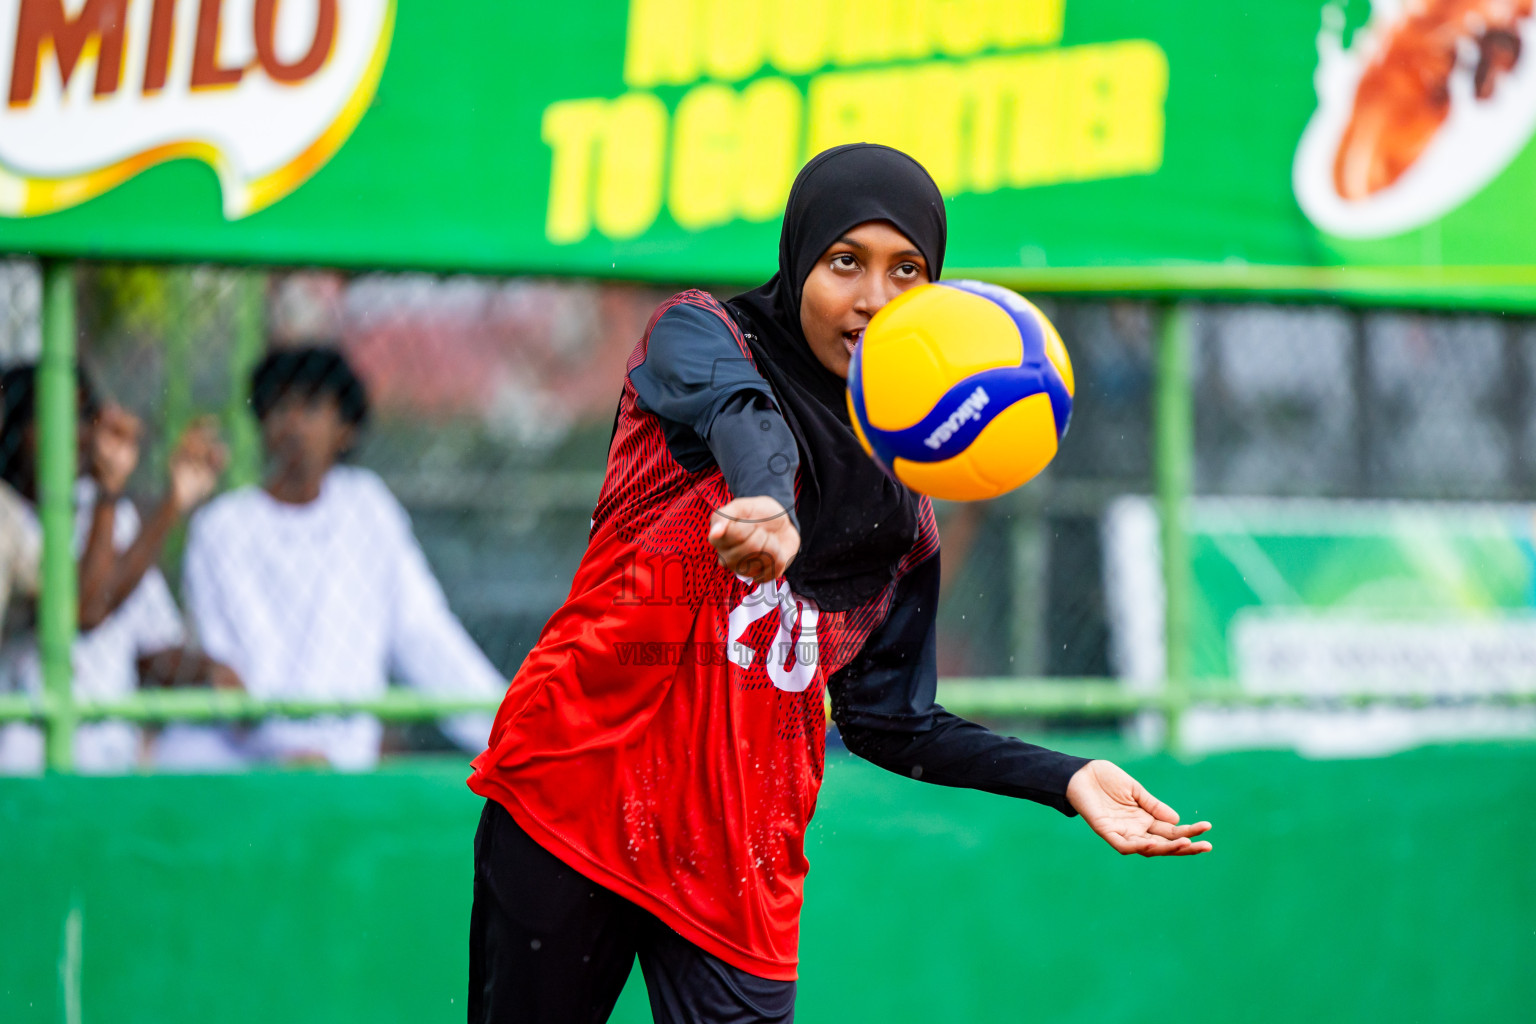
{"x": 656, "y": 760}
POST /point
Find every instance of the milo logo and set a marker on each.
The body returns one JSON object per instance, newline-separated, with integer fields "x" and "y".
{"x": 263, "y": 91}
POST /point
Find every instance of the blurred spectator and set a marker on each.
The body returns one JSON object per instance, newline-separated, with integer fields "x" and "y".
{"x": 21, "y": 549}
{"x": 313, "y": 586}
{"x": 130, "y": 629}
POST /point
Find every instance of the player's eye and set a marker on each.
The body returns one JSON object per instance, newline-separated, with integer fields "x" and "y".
{"x": 909, "y": 270}
{"x": 844, "y": 261}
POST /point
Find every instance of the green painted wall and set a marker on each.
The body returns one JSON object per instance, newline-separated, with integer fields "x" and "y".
{"x": 1398, "y": 889}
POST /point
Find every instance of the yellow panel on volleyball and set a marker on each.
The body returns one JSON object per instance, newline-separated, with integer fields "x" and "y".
{"x": 906, "y": 370}
{"x": 1008, "y": 453}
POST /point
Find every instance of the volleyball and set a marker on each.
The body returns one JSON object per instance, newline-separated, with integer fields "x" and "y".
{"x": 961, "y": 390}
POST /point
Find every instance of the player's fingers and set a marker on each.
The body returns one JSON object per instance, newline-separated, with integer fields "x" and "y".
{"x": 1161, "y": 848}
{"x": 757, "y": 567}
{"x": 735, "y": 544}
{"x": 1155, "y": 807}
{"x": 1183, "y": 848}
{"x": 1163, "y": 830}
{"x": 734, "y": 549}
{"x": 1124, "y": 844}
{"x": 755, "y": 539}
{"x": 757, "y": 560}
{"x": 724, "y": 531}
{"x": 773, "y": 563}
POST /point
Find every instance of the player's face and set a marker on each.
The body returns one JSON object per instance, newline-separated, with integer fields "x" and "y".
{"x": 305, "y": 434}
{"x": 867, "y": 267}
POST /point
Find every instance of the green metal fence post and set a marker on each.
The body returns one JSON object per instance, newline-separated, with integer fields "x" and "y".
{"x": 56, "y": 468}
{"x": 1173, "y": 464}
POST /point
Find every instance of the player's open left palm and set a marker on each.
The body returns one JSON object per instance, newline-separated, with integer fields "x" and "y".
{"x": 1129, "y": 818}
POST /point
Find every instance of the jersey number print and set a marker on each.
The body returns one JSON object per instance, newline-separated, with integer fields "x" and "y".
{"x": 787, "y": 648}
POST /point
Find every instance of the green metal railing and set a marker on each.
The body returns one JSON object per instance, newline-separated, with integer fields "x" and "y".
{"x": 59, "y": 711}
{"x": 1006, "y": 697}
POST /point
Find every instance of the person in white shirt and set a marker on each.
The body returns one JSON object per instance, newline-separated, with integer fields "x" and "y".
{"x": 313, "y": 587}
{"x": 130, "y": 630}
{"x": 21, "y": 548}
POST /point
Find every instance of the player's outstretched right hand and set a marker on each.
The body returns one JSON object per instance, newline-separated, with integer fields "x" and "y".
{"x": 1129, "y": 818}
{"x": 755, "y": 538}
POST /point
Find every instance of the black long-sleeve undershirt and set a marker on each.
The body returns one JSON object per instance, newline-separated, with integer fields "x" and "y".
{"x": 717, "y": 410}
{"x": 883, "y": 703}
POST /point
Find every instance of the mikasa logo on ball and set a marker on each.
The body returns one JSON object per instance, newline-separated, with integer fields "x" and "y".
{"x": 970, "y": 409}
{"x": 98, "y": 91}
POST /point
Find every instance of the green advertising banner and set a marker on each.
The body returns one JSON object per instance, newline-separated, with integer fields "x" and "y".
{"x": 1388, "y": 596}
{"x": 1319, "y": 598}
{"x": 1294, "y": 147}
{"x": 1399, "y": 577}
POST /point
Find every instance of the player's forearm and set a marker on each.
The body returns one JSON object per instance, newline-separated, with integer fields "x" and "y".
{"x": 963, "y": 754}
{"x": 755, "y": 450}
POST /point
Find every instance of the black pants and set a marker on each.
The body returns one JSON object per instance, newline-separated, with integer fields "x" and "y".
{"x": 549, "y": 946}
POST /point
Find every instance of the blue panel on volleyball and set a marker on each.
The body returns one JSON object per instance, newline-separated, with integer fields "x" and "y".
{"x": 965, "y": 409}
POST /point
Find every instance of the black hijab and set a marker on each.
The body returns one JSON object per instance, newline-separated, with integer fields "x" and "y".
{"x": 856, "y": 522}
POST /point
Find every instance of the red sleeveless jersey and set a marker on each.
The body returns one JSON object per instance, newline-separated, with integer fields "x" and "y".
{"x": 665, "y": 735}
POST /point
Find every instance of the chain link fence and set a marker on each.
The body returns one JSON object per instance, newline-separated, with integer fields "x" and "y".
{"x": 1359, "y": 478}
{"x": 489, "y": 405}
